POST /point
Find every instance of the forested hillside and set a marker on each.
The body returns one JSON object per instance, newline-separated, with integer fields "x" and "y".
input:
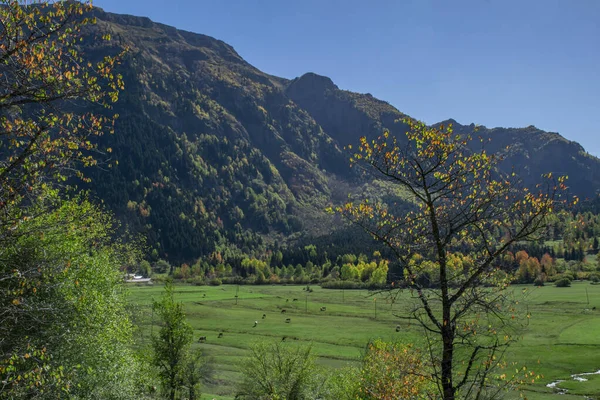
{"x": 215, "y": 155}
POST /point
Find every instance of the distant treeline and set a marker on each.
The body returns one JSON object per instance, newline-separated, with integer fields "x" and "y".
{"x": 350, "y": 255}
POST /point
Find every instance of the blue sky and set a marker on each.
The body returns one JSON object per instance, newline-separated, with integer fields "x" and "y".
{"x": 492, "y": 62}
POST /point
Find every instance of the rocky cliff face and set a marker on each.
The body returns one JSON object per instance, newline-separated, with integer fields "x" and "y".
{"x": 215, "y": 154}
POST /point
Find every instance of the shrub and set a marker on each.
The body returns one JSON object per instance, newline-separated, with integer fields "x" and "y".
{"x": 571, "y": 275}
{"x": 197, "y": 280}
{"x": 594, "y": 277}
{"x": 563, "y": 282}
{"x": 215, "y": 282}
{"x": 279, "y": 370}
{"x": 538, "y": 282}
{"x": 160, "y": 278}
{"x": 566, "y": 275}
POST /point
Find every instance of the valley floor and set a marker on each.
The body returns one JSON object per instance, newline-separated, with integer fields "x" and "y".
{"x": 562, "y": 338}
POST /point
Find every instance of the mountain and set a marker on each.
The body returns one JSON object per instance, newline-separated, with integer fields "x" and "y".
{"x": 215, "y": 154}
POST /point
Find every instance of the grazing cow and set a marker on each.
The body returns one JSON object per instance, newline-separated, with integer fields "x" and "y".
{"x": 288, "y": 320}
{"x": 220, "y": 335}
{"x": 264, "y": 316}
{"x": 283, "y": 311}
{"x": 323, "y": 308}
{"x": 397, "y": 328}
{"x": 202, "y": 339}
{"x": 255, "y": 323}
{"x": 295, "y": 300}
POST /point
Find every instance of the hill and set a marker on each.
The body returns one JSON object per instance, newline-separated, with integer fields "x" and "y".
{"x": 215, "y": 154}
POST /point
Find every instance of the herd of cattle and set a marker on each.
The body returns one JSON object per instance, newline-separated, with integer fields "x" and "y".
{"x": 202, "y": 339}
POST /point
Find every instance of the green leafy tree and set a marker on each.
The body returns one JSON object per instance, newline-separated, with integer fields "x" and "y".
{"x": 172, "y": 343}
{"x": 379, "y": 275}
{"x": 461, "y": 205}
{"x": 162, "y": 267}
{"x": 347, "y": 272}
{"x": 144, "y": 268}
{"x": 65, "y": 330}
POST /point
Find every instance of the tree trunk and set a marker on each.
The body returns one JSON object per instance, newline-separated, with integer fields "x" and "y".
{"x": 447, "y": 358}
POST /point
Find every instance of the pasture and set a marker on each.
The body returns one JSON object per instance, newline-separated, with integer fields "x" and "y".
{"x": 562, "y": 338}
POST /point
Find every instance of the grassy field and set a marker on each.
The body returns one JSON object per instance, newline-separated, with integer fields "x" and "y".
{"x": 563, "y": 336}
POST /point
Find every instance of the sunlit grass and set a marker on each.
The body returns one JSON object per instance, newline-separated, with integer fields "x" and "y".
{"x": 562, "y": 337}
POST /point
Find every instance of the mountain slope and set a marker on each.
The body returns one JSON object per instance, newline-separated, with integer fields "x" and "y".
{"x": 217, "y": 155}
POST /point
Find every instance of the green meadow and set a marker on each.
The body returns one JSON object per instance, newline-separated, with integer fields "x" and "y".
{"x": 562, "y": 337}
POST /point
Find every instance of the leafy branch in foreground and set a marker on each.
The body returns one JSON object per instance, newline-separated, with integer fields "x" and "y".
{"x": 465, "y": 217}
{"x": 43, "y": 78}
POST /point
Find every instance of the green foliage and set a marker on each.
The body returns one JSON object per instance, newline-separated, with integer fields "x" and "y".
{"x": 61, "y": 290}
{"x": 64, "y": 330}
{"x": 215, "y": 282}
{"x": 162, "y": 267}
{"x": 144, "y": 269}
{"x": 279, "y": 370}
{"x": 563, "y": 282}
{"x": 171, "y": 345}
{"x": 343, "y": 384}
{"x": 192, "y": 374}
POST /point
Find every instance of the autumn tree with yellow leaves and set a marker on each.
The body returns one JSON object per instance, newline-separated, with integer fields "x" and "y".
{"x": 44, "y": 80}
{"x": 466, "y": 216}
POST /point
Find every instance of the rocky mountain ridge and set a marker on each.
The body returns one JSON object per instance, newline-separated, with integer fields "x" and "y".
{"x": 216, "y": 155}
